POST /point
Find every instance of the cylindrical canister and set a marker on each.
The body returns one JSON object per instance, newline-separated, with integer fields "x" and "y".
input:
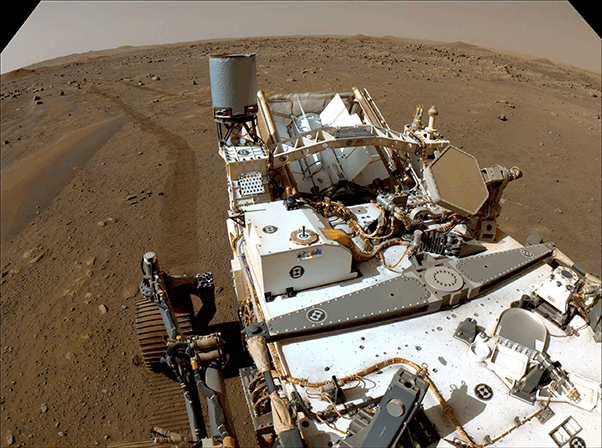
{"x": 233, "y": 80}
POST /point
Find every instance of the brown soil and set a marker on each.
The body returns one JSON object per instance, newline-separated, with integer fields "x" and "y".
{"x": 125, "y": 161}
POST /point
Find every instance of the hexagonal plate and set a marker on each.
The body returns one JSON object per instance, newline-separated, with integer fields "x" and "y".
{"x": 455, "y": 182}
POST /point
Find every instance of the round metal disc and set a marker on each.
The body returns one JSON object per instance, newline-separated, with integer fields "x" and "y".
{"x": 304, "y": 237}
{"x": 444, "y": 278}
{"x": 270, "y": 229}
{"x": 483, "y": 391}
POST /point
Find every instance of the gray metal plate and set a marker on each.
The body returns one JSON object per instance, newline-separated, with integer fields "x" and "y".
{"x": 487, "y": 267}
{"x": 443, "y": 278}
{"x": 428, "y": 340}
{"x": 390, "y": 298}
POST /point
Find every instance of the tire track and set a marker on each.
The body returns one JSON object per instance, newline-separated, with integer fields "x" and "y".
{"x": 179, "y": 235}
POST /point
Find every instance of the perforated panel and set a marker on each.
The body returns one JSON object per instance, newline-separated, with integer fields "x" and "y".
{"x": 251, "y": 183}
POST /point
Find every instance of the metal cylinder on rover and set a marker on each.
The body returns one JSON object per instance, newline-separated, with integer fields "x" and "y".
{"x": 233, "y": 81}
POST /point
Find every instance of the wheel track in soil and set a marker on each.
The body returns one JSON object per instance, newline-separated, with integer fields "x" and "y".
{"x": 178, "y": 246}
{"x": 178, "y": 235}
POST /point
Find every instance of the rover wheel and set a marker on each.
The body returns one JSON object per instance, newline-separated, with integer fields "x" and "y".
{"x": 151, "y": 330}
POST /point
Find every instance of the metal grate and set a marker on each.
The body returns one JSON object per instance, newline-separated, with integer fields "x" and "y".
{"x": 251, "y": 183}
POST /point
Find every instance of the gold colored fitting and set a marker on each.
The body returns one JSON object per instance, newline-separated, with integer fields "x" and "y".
{"x": 574, "y": 395}
{"x": 208, "y": 356}
{"x": 206, "y": 343}
{"x": 229, "y": 442}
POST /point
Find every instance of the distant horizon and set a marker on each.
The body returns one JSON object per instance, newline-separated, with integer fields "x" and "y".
{"x": 554, "y": 30}
{"x": 50, "y": 62}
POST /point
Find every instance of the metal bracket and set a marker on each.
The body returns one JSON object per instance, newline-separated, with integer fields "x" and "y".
{"x": 425, "y": 287}
{"x": 395, "y": 411}
{"x": 467, "y": 331}
{"x": 256, "y": 329}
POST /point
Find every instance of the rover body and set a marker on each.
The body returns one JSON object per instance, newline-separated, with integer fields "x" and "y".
{"x": 381, "y": 304}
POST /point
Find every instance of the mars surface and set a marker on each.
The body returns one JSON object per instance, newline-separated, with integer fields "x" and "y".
{"x": 107, "y": 155}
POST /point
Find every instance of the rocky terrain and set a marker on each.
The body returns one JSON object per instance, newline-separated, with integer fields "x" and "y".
{"x": 107, "y": 155}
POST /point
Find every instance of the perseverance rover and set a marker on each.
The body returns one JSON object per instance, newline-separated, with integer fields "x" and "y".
{"x": 380, "y": 303}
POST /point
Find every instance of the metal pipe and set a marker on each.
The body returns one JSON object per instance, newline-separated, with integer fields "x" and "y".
{"x": 267, "y": 116}
{"x": 386, "y": 154}
{"x": 215, "y": 381}
{"x": 197, "y": 429}
{"x": 152, "y": 275}
{"x": 191, "y": 399}
{"x": 218, "y": 418}
{"x": 149, "y": 263}
{"x": 380, "y": 117}
{"x": 274, "y": 137}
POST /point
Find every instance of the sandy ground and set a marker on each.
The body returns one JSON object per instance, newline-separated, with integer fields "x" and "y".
{"x": 110, "y": 154}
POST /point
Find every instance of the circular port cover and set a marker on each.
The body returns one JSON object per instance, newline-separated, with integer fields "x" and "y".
{"x": 444, "y": 278}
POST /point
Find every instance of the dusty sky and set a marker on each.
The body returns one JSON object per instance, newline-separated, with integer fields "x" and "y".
{"x": 553, "y": 30}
